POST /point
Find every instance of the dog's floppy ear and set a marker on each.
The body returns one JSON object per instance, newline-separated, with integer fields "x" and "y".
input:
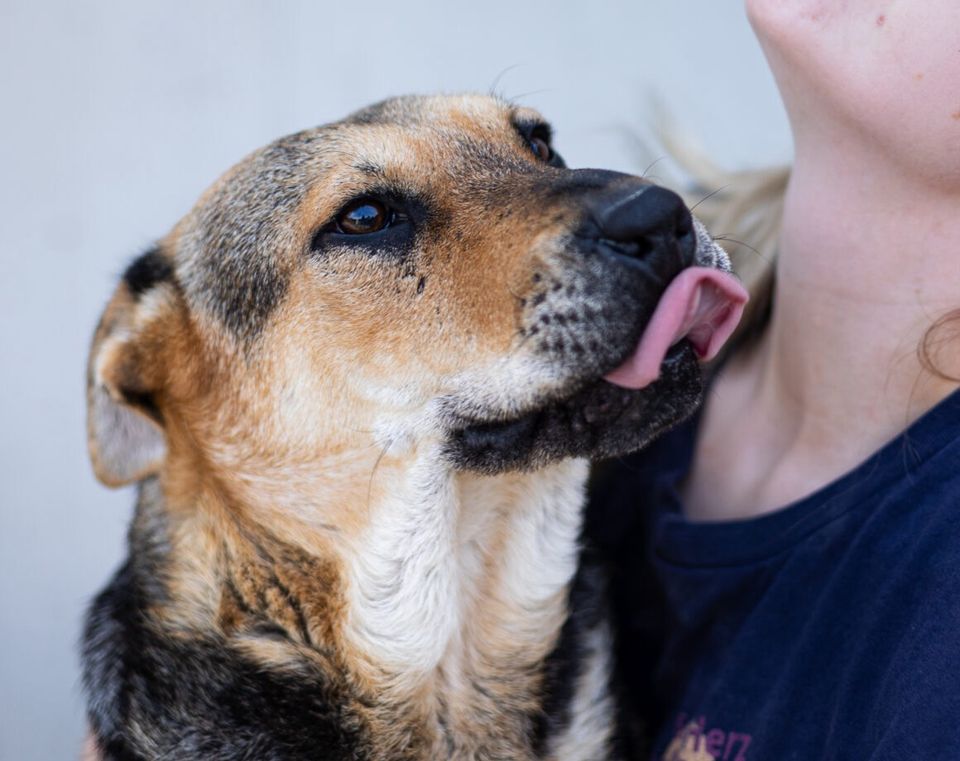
{"x": 124, "y": 375}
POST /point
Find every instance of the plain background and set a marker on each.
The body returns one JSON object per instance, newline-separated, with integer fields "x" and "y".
{"x": 115, "y": 116}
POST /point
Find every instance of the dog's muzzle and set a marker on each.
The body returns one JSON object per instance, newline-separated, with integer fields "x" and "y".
{"x": 638, "y": 225}
{"x": 634, "y": 296}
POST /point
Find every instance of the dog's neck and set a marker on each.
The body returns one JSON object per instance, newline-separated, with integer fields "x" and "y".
{"x": 459, "y": 562}
{"x": 445, "y": 583}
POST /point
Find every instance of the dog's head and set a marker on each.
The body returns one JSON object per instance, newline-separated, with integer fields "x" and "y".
{"x": 427, "y": 268}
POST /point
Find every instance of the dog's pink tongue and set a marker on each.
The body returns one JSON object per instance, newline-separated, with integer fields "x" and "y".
{"x": 701, "y": 304}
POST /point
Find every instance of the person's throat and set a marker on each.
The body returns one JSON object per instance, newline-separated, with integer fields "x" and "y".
{"x": 868, "y": 265}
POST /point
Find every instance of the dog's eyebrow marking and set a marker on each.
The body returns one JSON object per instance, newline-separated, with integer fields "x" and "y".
{"x": 240, "y": 236}
{"x": 146, "y": 271}
{"x": 369, "y": 168}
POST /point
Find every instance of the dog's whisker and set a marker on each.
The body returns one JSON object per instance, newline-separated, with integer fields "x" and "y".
{"x": 708, "y": 197}
{"x": 373, "y": 472}
{"x": 365, "y": 431}
{"x": 726, "y": 239}
{"x": 513, "y": 293}
{"x": 514, "y": 98}
{"x": 500, "y": 76}
{"x": 651, "y": 165}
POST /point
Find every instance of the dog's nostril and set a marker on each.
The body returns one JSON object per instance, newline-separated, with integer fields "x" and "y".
{"x": 644, "y": 247}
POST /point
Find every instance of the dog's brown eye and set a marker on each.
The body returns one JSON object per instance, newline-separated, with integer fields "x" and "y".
{"x": 540, "y": 148}
{"x": 363, "y": 217}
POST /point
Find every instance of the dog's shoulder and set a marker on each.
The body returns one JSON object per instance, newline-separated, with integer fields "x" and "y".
{"x": 155, "y": 693}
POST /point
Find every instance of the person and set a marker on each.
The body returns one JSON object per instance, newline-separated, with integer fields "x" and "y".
{"x": 786, "y": 566}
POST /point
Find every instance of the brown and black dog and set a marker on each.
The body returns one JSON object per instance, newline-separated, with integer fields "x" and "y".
{"x": 357, "y": 385}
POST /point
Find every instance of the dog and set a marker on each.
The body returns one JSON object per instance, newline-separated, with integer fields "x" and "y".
{"x": 358, "y": 386}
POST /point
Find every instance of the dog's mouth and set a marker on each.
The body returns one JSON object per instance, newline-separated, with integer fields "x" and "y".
{"x": 702, "y": 305}
{"x": 655, "y": 383}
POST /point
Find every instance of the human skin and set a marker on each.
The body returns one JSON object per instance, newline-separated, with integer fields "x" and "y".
{"x": 869, "y": 254}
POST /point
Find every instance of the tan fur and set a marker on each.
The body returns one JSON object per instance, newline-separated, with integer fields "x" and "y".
{"x": 296, "y": 447}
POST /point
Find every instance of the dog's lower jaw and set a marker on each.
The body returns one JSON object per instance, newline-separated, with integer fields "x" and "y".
{"x": 457, "y": 595}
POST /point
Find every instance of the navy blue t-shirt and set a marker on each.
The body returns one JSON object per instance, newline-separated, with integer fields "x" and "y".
{"x": 827, "y": 630}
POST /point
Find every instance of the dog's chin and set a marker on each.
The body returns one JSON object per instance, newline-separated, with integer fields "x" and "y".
{"x": 597, "y": 420}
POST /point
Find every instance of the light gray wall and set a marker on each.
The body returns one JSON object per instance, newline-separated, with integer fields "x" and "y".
{"x": 115, "y": 115}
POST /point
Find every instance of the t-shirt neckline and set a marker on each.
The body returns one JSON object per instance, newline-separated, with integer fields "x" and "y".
{"x": 678, "y": 541}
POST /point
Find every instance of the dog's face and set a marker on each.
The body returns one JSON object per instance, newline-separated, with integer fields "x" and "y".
{"x": 426, "y": 268}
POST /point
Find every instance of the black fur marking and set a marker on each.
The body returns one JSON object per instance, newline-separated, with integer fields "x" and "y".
{"x": 291, "y": 601}
{"x": 586, "y": 602}
{"x": 371, "y": 169}
{"x": 615, "y": 525}
{"x": 239, "y": 273}
{"x": 155, "y": 694}
{"x": 198, "y": 699}
{"x": 146, "y": 271}
{"x": 393, "y": 241}
{"x": 237, "y": 598}
{"x": 144, "y": 401}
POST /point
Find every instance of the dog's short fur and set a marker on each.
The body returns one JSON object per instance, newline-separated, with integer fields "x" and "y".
{"x": 361, "y": 457}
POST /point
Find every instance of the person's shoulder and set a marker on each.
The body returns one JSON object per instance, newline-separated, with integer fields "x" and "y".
{"x": 909, "y": 545}
{"x": 924, "y": 500}
{"x": 912, "y": 643}
{"x": 899, "y": 581}
{"x": 916, "y": 500}
{"x": 912, "y": 525}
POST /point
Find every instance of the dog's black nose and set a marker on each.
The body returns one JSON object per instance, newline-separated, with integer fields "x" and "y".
{"x": 644, "y": 216}
{"x": 637, "y": 221}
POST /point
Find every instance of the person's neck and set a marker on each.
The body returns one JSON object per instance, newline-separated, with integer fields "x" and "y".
{"x": 869, "y": 261}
